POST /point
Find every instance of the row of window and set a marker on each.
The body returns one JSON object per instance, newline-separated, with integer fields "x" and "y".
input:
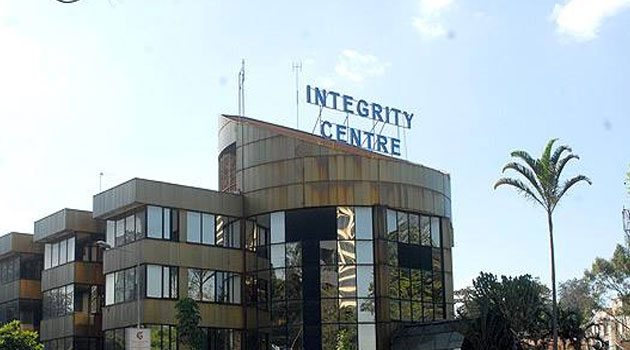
{"x": 58, "y": 302}
{"x": 162, "y": 282}
{"x": 212, "y": 229}
{"x": 163, "y": 223}
{"x": 153, "y": 222}
{"x": 59, "y": 253}
{"x": 214, "y": 286}
{"x": 413, "y": 228}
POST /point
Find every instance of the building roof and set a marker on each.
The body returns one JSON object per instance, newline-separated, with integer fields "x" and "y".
{"x": 64, "y": 221}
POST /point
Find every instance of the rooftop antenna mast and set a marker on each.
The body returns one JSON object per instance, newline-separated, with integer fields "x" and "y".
{"x": 241, "y": 89}
{"x": 297, "y": 68}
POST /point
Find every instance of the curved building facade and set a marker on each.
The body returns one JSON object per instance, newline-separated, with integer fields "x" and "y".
{"x": 343, "y": 246}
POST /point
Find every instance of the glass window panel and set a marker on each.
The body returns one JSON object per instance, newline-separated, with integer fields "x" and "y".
{"x": 425, "y": 231}
{"x": 166, "y": 282}
{"x": 294, "y": 312}
{"x": 277, "y": 227}
{"x": 403, "y": 227}
{"x": 207, "y": 225}
{"x": 221, "y": 228}
{"x": 130, "y": 283}
{"x": 47, "y": 256}
{"x": 392, "y": 253}
{"x": 120, "y": 232}
{"x": 236, "y": 288}
{"x": 427, "y": 286}
{"x": 347, "y": 281}
{"x": 63, "y": 252}
{"x": 111, "y": 232}
{"x": 329, "y": 280}
{"x": 394, "y": 286}
{"x": 435, "y": 232}
{"x": 416, "y": 285}
{"x": 140, "y": 221}
{"x": 208, "y": 285}
{"x": 363, "y": 217}
{"x": 71, "y": 244}
{"x": 277, "y": 255}
{"x": 194, "y": 284}
{"x": 367, "y": 337}
{"x": 235, "y": 234}
{"x": 405, "y": 284}
{"x": 294, "y": 254}
{"x": 345, "y": 223}
{"x": 130, "y": 228}
{"x": 328, "y": 252}
{"x": 222, "y": 290}
{"x": 174, "y": 282}
{"x": 349, "y": 332}
{"x": 392, "y": 225}
{"x": 346, "y": 252}
{"x": 119, "y": 286}
{"x": 414, "y": 229}
{"x": 394, "y": 309}
{"x": 55, "y": 254}
{"x": 416, "y": 311}
{"x": 330, "y": 336}
{"x": 405, "y": 310}
{"x": 278, "y": 281}
{"x": 154, "y": 222}
{"x": 427, "y": 311}
{"x": 439, "y": 311}
{"x": 294, "y": 283}
{"x": 109, "y": 289}
{"x": 154, "y": 281}
{"x": 365, "y": 252}
{"x": 366, "y": 310}
{"x": 329, "y": 310}
{"x": 365, "y": 281}
{"x": 167, "y": 223}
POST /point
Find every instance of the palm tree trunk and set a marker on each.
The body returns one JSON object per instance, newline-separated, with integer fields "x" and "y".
{"x": 553, "y": 285}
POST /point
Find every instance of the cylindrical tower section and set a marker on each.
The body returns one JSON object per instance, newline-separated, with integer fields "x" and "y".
{"x": 343, "y": 244}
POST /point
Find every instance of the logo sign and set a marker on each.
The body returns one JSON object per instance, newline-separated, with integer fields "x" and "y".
{"x": 138, "y": 338}
{"x": 375, "y": 112}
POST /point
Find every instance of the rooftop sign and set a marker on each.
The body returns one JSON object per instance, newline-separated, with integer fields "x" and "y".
{"x": 375, "y": 112}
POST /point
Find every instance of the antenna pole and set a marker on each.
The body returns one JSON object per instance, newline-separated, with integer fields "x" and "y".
{"x": 241, "y": 89}
{"x": 100, "y": 181}
{"x": 297, "y": 68}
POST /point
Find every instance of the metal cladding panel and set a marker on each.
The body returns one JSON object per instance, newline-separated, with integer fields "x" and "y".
{"x": 279, "y": 168}
{"x": 15, "y": 242}
{"x": 151, "y": 251}
{"x": 57, "y": 328}
{"x": 66, "y": 220}
{"x": 138, "y": 192}
{"x": 10, "y": 291}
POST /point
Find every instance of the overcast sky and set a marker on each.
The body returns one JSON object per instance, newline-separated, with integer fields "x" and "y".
{"x": 133, "y": 89}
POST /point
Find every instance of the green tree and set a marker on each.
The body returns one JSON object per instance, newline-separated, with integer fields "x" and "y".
{"x": 188, "y": 317}
{"x": 580, "y": 295}
{"x": 542, "y": 185}
{"x": 613, "y": 275}
{"x": 510, "y": 310}
{"x": 12, "y": 337}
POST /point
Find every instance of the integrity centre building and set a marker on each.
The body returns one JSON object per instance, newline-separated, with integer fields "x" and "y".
{"x": 310, "y": 243}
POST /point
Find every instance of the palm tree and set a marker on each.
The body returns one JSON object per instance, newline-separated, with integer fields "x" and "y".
{"x": 543, "y": 187}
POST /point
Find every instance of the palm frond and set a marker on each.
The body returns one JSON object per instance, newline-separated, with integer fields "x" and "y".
{"x": 563, "y": 162}
{"x": 569, "y": 183}
{"x": 528, "y": 174}
{"x": 527, "y": 158}
{"x": 547, "y": 152}
{"x": 558, "y": 153}
{"x": 520, "y": 186}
